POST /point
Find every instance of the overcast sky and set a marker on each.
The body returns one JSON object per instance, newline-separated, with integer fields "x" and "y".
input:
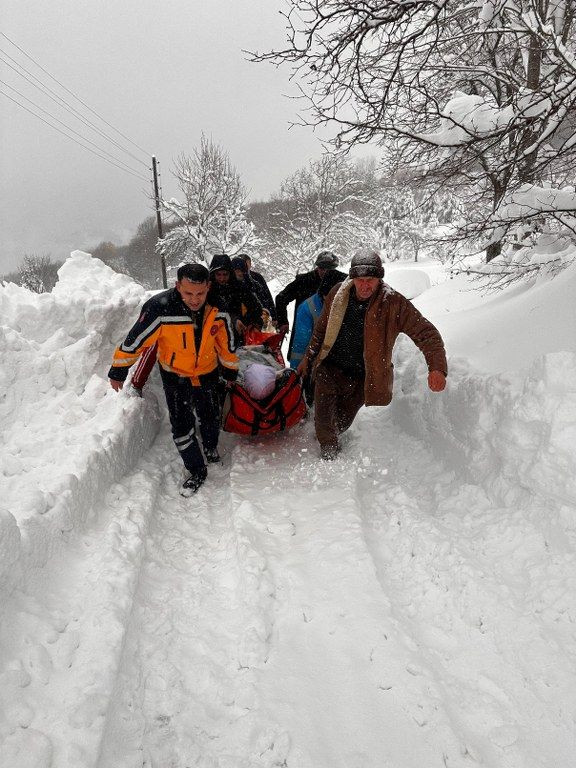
{"x": 162, "y": 73}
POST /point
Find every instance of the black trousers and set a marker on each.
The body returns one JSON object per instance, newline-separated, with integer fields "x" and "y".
{"x": 338, "y": 398}
{"x": 186, "y": 405}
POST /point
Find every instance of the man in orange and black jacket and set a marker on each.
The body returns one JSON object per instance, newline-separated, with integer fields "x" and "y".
{"x": 194, "y": 346}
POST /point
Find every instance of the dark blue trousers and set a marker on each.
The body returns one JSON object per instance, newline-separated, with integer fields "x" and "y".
{"x": 187, "y": 405}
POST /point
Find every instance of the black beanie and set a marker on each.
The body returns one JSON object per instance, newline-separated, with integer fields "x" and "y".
{"x": 326, "y": 260}
{"x": 366, "y": 263}
{"x": 238, "y": 263}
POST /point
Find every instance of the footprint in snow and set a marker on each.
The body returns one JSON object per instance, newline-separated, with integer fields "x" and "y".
{"x": 27, "y": 749}
{"x": 40, "y": 663}
{"x": 66, "y": 649}
{"x": 504, "y": 735}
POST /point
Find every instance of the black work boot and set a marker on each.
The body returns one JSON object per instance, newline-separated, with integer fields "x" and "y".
{"x": 192, "y": 483}
{"x": 329, "y": 452}
{"x": 212, "y": 457}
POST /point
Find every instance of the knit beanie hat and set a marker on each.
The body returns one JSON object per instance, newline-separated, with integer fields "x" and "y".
{"x": 326, "y": 260}
{"x": 366, "y": 263}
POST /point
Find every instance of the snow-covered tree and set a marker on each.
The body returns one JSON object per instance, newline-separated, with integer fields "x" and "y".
{"x": 210, "y": 218}
{"x": 38, "y": 273}
{"x": 413, "y": 222}
{"x": 141, "y": 257}
{"x": 323, "y": 206}
{"x": 478, "y": 95}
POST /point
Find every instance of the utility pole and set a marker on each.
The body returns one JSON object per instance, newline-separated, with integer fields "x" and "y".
{"x": 159, "y": 220}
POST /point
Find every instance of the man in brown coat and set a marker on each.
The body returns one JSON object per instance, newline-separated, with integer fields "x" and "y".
{"x": 351, "y": 348}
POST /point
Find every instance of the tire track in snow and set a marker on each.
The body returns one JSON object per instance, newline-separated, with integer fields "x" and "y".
{"x": 340, "y": 676}
{"x": 463, "y": 575}
{"x": 185, "y": 695}
{"x": 64, "y": 636}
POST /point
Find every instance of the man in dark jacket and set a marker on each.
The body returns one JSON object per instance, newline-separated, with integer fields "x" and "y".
{"x": 232, "y": 296}
{"x": 264, "y": 292}
{"x": 301, "y": 288}
{"x": 351, "y": 348}
{"x": 193, "y": 342}
{"x": 246, "y": 278}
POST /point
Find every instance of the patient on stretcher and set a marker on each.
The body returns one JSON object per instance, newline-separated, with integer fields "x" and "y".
{"x": 259, "y": 372}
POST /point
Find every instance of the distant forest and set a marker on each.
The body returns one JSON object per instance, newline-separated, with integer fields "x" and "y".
{"x": 332, "y": 203}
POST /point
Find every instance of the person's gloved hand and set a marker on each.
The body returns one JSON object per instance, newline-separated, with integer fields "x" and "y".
{"x": 284, "y": 328}
{"x": 116, "y": 385}
{"x": 436, "y": 381}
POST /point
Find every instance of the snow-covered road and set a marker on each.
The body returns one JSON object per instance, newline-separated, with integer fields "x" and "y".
{"x": 410, "y": 605}
{"x": 376, "y": 611}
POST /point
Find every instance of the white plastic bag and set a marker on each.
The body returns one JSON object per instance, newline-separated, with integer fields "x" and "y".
{"x": 259, "y": 380}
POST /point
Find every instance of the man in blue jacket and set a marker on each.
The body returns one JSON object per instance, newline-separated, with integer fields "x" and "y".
{"x": 301, "y": 288}
{"x": 306, "y": 315}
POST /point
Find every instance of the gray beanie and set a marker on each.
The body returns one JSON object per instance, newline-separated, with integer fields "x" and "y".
{"x": 326, "y": 260}
{"x": 366, "y": 263}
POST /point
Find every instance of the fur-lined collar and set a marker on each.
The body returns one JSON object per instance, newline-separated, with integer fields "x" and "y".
{"x": 338, "y": 310}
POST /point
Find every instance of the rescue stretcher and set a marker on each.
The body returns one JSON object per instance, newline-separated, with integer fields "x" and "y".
{"x": 282, "y": 409}
{"x": 241, "y": 413}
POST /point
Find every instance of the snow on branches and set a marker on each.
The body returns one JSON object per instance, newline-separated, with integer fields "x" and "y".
{"x": 211, "y": 217}
{"x": 324, "y": 206}
{"x": 481, "y": 97}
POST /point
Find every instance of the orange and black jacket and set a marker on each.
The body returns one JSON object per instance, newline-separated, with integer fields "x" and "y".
{"x": 167, "y": 322}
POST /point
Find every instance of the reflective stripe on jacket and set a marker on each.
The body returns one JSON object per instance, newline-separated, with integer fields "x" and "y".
{"x": 167, "y": 321}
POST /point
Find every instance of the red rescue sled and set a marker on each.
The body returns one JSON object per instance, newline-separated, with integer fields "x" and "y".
{"x": 281, "y": 410}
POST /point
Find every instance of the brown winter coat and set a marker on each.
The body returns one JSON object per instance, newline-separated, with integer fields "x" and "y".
{"x": 388, "y": 314}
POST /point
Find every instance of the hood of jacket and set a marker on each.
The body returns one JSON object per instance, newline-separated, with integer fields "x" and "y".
{"x": 221, "y": 261}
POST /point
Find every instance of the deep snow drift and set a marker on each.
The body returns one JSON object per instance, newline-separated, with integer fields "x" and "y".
{"x": 412, "y": 604}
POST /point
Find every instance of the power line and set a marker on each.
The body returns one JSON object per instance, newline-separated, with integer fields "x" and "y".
{"x": 69, "y": 128}
{"x": 64, "y": 104}
{"x": 120, "y": 164}
{"x": 125, "y": 169}
{"x": 148, "y": 154}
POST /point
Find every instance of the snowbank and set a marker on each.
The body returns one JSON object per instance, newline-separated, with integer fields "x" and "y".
{"x": 66, "y": 434}
{"x": 409, "y": 282}
{"x": 508, "y": 416}
{"x": 510, "y": 433}
{"x": 505, "y": 330}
